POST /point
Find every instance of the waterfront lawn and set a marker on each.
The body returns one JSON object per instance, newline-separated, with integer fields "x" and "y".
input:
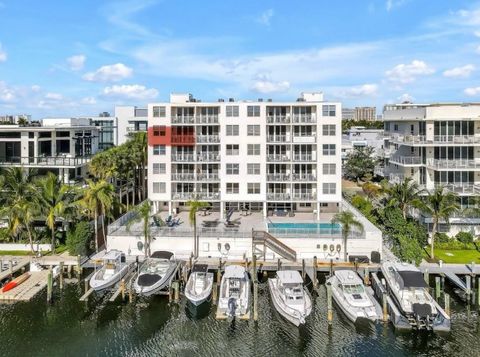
{"x": 15, "y": 252}
{"x": 457, "y": 256}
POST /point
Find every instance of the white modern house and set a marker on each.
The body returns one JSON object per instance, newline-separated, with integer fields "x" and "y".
{"x": 130, "y": 119}
{"x": 436, "y": 144}
{"x": 62, "y": 146}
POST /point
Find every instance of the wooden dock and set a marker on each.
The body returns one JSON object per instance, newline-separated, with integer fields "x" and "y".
{"x": 27, "y": 290}
{"x": 21, "y": 262}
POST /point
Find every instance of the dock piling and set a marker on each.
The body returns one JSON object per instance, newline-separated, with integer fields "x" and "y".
{"x": 69, "y": 271}
{"x": 469, "y": 286}
{"x": 86, "y": 285}
{"x": 447, "y": 304}
{"x": 366, "y": 276}
{"x": 303, "y": 269}
{"x": 437, "y": 287}
{"x": 79, "y": 267}
{"x": 426, "y": 277}
{"x": 329, "y": 304}
{"x": 60, "y": 275}
{"x": 315, "y": 276}
{"x": 122, "y": 287}
{"x": 49, "y": 284}
{"x": 331, "y": 267}
{"x": 254, "y": 268}
{"x": 279, "y": 264}
{"x": 214, "y": 293}
{"x": 176, "y": 290}
{"x": 385, "y": 307}
{"x": 255, "y": 300}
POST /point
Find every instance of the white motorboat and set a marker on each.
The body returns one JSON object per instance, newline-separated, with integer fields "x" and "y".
{"x": 353, "y": 298}
{"x": 234, "y": 299}
{"x": 155, "y": 273}
{"x": 291, "y": 299}
{"x": 409, "y": 291}
{"x": 199, "y": 284}
{"x": 114, "y": 268}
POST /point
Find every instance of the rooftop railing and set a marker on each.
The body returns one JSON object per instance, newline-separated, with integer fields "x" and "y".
{"x": 45, "y": 160}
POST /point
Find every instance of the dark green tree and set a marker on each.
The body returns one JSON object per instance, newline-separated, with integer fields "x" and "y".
{"x": 359, "y": 162}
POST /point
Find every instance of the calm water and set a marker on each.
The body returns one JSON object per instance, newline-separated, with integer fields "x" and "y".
{"x": 151, "y": 327}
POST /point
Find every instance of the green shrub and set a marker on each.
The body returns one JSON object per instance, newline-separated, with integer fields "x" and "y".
{"x": 442, "y": 238}
{"x": 454, "y": 244}
{"x": 78, "y": 239}
{"x": 407, "y": 249}
{"x": 464, "y": 237}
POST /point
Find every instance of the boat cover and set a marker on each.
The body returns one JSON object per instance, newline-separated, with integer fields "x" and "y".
{"x": 148, "y": 279}
{"x": 411, "y": 279}
{"x": 200, "y": 268}
{"x": 234, "y": 271}
{"x": 161, "y": 254}
{"x": 422, "y": 310}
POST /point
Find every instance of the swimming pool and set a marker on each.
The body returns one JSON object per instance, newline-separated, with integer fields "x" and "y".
{"x": 305, "y": 228}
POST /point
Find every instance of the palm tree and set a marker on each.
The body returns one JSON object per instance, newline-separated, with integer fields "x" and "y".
{"x": 143, "y": 211}
{"x": 439, "y": 204}
{"x": 56, "y": 201}
{"x": 98, "y": 199}
{"x": 17, "y": 184}
{"x": 347, "y": 221}
{"x": 192, "y": 217}
{"x": 404, "y": 195}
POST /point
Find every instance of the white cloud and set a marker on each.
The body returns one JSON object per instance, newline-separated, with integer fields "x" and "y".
{"x": 265, "y": 17}
{"x": 391, "y": 4}
{"x": 473, "y": 91}
{"x": 53, "y": 96}
{"x": 405, "y": 97}
{"x": 88, "y": 101}
{"x": 7, "y": 93}
{"x": 35, "y": 88}
{"x": 109, "y": 73}
{"x": 468, "y": 17}
{"x": 477, "y": 33}
{"x": 76, "y": 62}
{"x": 365, "y": 90}
{"x": 130, "y": 91}
{"x": 407, "y": 73}
{"x": 460, "y": 72}
{"x": 3, "y": 54}
{"x": 264, "y": 84}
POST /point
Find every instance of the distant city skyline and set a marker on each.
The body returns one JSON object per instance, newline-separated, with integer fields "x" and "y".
{"x": 82, "y": 58}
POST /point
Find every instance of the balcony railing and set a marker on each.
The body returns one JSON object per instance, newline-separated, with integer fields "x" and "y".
{"x": 208, "y": 177}
{"x": 44, "y": 160}
{"x": 183, "y": 195}
{"x": 278, "y": 138}
{"x": 183, "y": 177}
{"x": 278, "y": 158}
{"x": 207, "y": 195}
{"x": 278, "y": 119}
{"x": 396, "y": 178}
{"x": 278, "y": 196}
{"x": 304, "y": 177}
{"x": 303, "y": 157}
{"x": 437, "y": 139}
{"x": 185, "y": 119}
{"x": 305, "y": 139}
{"x": 207, "y": 119}
{"x": 208, "y": 157}
{"x": 278, "y": 177}
{"x": 183, "y": 158}
{"x": 406, "y": 160}
{"x": 444, "y": 164}
{"x": 462, "y": 188}
{"x": 208, "y": 139}
{"x": 304, "y": 118}
{"x": 304, "y": 196}
{"x": 183, "y": 139}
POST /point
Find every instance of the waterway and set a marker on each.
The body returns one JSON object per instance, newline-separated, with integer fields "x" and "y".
{"x": 150, "y": 327}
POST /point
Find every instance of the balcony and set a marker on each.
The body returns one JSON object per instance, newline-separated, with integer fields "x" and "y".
{"x": 207, "y": 139}
{"x": 183, "y": 196}
{"x": 205, "y": 195}
{"x": 304, "y": 118}
{"x": 278, "y": 158}
{"x": 207, "y": 119}
{"x": 305, "y": 139}
{"x": 456, "y": 164}
{"x": 183, "y": 139}
{"x": 278, "y": 138}
{"x": 304, "y": 177}
{"x": 183, "y": 158}
{"x": 278, "y": 196}
{"x": 278, "y": 119}
{"x": 463, "y": 189}
{"x": 304, "y": 196}
{"x": 396, "y": 178}
{"x": 437, "y": 139}
{"x": 44, "y": 161}
{"x": 183, "y": 177}
{"x": 185, "y": 119}
{"x": 406, "y": 160}
{"x": 303, "y": 157}
{"x": 278, "y": 177}
{"x": 208, "y": 177}
{"x": 210, "y": 157}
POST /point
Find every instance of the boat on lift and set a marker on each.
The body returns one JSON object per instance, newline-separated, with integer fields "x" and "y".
{"x": 234, "y": 299}
{"x": 155, "y": 273}
{"x": 114, "y": 268}
{"x": 199, "y": 284}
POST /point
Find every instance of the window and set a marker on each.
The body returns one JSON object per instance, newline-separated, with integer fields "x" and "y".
{"x": 253, "y": 149}
{"x": 328, "y": 110}
{"x": 329, "y": 130}
{"x": 158, "y": 149}
{"x": 395, "y": 127}
{"x": 328, "y": 149}
{"x": 159, "y": 112}
{"x": 329, "y": 169}
{"x": 253, "y": 188}
{"x": 253, "y": 169}
{"x": 159, "y": 130}
{"x": 158, "y": 168}
{"x": 329, "y": 188}
{"x": 253, "y": 130}
{"x": 159, "y": 187}
{"x": 232, "y": 169}
{"x": 232, "y": 150}
{"x": 253, "y": 111}
{"x": 232, "y": 187}
{"x": 232, "y": 110}
{"x": 232, "y": 130}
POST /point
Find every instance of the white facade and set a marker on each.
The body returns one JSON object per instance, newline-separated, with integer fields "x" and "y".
{"x": 130, "y": 119}
{"x": 261, "y": 155}
{"x": 436, "y": 144}
{"x": 359, "y": 136}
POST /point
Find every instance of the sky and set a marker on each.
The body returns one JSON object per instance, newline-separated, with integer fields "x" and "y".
{"x": 76, "y": 58}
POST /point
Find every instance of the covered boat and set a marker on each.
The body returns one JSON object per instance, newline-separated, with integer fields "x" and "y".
{"x": 353, "y": 298}
{"x": 155, "y": 273}
{"x": 234, "y": 299}
{"x": 114, "y": 268}
{"x": 291, "y": 299}
{"x": 199, "y": 284}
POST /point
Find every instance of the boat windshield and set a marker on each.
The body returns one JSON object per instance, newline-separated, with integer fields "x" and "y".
{"x": 294, "y": 292}
{"x": 353, "y": 289}
{"x": 154, "y": 267}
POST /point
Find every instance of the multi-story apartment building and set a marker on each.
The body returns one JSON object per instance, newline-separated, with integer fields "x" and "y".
{"x": 14, "y": 119}
{"x": 130, "y": 119}
{"x": 260, "y": 155}
{"x": 62, "y": 146}
{"x": 436, "y": 144}
{"x": 348, "y": 114}
{"x": 365, "y": 113}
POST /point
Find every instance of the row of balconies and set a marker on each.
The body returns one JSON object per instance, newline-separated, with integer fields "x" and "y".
{"x": 211, "y": 157}
{"x": 436, "y": 140}
{"x": 288, "y": 158}
{"x": 203, "y": 195}
{"x": 294, "y": 118}
{"x": 283, "y": 196}
{"x": 200, "y": 195}
{"x": 301, "y": 139}
{"x": 436, "y": 164}
{"x": 276, "y": 177}
{"x": 199, "y": 119}
{"x": 192, "y": 177}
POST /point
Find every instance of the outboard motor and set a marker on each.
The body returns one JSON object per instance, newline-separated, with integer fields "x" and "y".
{"x": 232, "y": 306}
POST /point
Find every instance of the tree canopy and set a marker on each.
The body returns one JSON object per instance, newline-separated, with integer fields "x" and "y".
{"x": 359, "y": 162}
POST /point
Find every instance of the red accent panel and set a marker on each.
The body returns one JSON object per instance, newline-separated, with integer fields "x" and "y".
{"x": 171, "y": 136}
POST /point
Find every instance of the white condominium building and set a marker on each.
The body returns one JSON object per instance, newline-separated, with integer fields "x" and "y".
{"x": 436, "y": 144}
{"x": 257, "y": 155}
